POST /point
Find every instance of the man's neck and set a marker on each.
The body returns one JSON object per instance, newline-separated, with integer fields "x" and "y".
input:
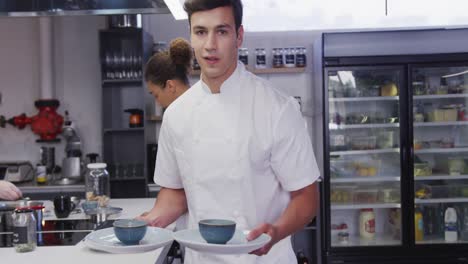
{"x": 213, "y": 84}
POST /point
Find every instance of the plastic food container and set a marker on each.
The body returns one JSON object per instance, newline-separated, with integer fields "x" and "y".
{"x": 364, "y": 143}
{"x": 389, "y": 195}
{"x": 422, "y": 169}
{"x": 342, "y": 194}
{"x": 367, "y": 168}
{"x": 341, "y": 168}
{"x": 365, "y": 196}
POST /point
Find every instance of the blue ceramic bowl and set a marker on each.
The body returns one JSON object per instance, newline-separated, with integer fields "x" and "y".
{"x": 217, "y": 231}
{"x": 130, "y": 231}
{"x": 88, "y": 205}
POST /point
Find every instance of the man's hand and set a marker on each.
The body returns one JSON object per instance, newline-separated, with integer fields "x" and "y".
{"x": 8, "y": 191}
{"x": 268, "y": 229}
{"x": 170, "y": 205}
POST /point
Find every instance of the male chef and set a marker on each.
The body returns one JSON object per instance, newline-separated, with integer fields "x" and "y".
{"x": 233, "y": 147}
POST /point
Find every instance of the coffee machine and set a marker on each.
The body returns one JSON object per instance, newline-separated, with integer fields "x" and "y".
{"x": 72, "y": 164}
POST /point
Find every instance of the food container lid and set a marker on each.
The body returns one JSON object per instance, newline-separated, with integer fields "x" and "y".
{"x": 97, "y": 165}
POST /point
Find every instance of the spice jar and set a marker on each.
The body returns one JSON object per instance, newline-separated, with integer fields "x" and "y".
{"x": 260, "y": 55}
{"x": 244, "y": 55}
{"x": 289, "y": 57}
{"x": 24, "y": 230}
{"x": 98, "y": 184}
{"x": 301, "y": 59}
{"x": 278, "y": 61}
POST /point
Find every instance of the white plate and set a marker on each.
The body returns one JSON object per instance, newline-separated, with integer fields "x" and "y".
{"x": 191, "y": 238}
{"x": 105, "y": 240}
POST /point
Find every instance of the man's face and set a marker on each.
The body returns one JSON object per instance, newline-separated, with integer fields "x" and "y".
{"x": 164, "y": 97}
{"x": 215, "y": 42}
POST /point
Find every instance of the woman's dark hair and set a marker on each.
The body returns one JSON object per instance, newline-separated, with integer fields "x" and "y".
{"x": 171, "y": 64}
{"x": 192, "y": 6}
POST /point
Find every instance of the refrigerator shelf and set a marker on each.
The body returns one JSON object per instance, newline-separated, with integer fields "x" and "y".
{"x": 367, "y": 179}
{"x": 439, "y": 241}
{"x": 441, "y": 200}
{"x": 455, "y": 123}
{"x": 366, "y": 152}
{"x": 364, "y": 99}
{"x": 380, "y": 240}
{"x": 365, "y": 206}
{"x": 441, "y": 177}
{"x": 439, "y": 96}
{"x": 336, "y": 127}
{"x": 441, "y": 150}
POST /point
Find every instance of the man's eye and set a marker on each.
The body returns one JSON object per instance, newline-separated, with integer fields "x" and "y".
{"x": 222, "y": 32}
{"x": 199, "y": 32}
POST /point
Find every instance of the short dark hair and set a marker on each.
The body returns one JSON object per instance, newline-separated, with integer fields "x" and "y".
{"x": 169, "y": 65}
{"x": 192, "y": 6}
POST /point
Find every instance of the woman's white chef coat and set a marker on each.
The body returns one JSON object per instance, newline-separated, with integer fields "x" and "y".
{"x": 237, "y": 154}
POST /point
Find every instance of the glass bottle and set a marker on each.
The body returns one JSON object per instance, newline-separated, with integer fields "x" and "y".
{"x": 260, "y": 55}
{"x": 289, "y": 57}
{"x": 244, "y": 56}
{"x": 301, "y": 59}
{"x": 24, "y": 230}
{"x": 418, "y": 225}
{"x": 278, "y": 61}
{"x": 98, "y": 184}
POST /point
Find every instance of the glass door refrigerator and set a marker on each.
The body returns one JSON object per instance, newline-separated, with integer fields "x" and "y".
{"x": 396, "y": 160}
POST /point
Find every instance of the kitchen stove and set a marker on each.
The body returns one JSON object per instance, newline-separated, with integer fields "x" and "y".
{"x": 59, "y": 232}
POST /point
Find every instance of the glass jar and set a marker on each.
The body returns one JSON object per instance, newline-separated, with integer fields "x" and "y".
{"x": 301, "y": 59}
{"x": 98, "y": 184}
{"x": 260, "y": 55}
{"x": 159, "y": 46}
{"x": 244, "y": 56}
{"x": 278, "y": 61}
{"x": 289, "y": 57}
{"x": 24, "y": 230}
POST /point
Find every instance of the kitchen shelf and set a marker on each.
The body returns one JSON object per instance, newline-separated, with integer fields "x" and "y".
{"x": 441, "y": 177}
{"x": 128, "y": 179}
{"x": 364, "y": 99}
{"x": 441, "y": 200}
{"x": 154, "y": 118}
{"x": 426, "y": 124}
{"x": 336, "y": 127}
{"x": 122, "y": 81}
{"x": 439, "y": 96}
{"x": 379, "y": 240}
{"x": 365, "y": 152}
{"x": 264, "y": 71}
{"x": 364, "y": 206}
{"x": 123, "y": 130}
{"x": 441, "y": 150}
{"x": 366, "y": 179}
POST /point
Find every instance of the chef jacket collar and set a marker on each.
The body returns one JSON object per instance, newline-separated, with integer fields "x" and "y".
{"x": 230, "y": 85}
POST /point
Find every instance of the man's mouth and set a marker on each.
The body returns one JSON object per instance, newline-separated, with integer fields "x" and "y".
{"x": 211, "y": 59}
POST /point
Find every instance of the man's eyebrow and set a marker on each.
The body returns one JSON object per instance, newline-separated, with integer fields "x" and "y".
{"x": 221, "y": 26}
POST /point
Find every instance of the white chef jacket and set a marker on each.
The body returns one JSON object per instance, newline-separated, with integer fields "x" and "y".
{"x": 237, "y": 154}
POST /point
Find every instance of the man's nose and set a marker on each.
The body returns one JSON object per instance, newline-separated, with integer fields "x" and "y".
{"x": 211, "y": 42}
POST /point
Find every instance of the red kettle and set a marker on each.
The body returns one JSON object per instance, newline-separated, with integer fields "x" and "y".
{"x": 136, "y": 117}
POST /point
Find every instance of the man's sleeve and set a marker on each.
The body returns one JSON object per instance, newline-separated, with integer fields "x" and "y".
{"x": 292, "y": 158}
{"x": 166, "y": 172}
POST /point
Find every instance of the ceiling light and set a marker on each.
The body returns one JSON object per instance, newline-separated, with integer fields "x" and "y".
{"x": 176, "y": 8}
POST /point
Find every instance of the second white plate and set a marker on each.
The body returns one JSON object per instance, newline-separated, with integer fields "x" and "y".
{"x": 105, "y": 240}
{"x": 192, "y": 239}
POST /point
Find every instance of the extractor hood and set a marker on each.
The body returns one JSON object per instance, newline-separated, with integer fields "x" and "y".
{"x": 25, "y": 8}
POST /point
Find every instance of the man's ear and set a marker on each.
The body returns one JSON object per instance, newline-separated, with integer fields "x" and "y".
{"x": 240, "y": 36}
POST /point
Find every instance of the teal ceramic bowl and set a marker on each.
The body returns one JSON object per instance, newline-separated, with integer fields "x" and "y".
{"x": 217, "y": 231}
{"x": 89, "y": 205}
{"x": 130, "y": 231}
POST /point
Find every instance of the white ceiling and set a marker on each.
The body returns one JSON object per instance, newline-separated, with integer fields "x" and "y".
{"x": 281, "y": 15}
